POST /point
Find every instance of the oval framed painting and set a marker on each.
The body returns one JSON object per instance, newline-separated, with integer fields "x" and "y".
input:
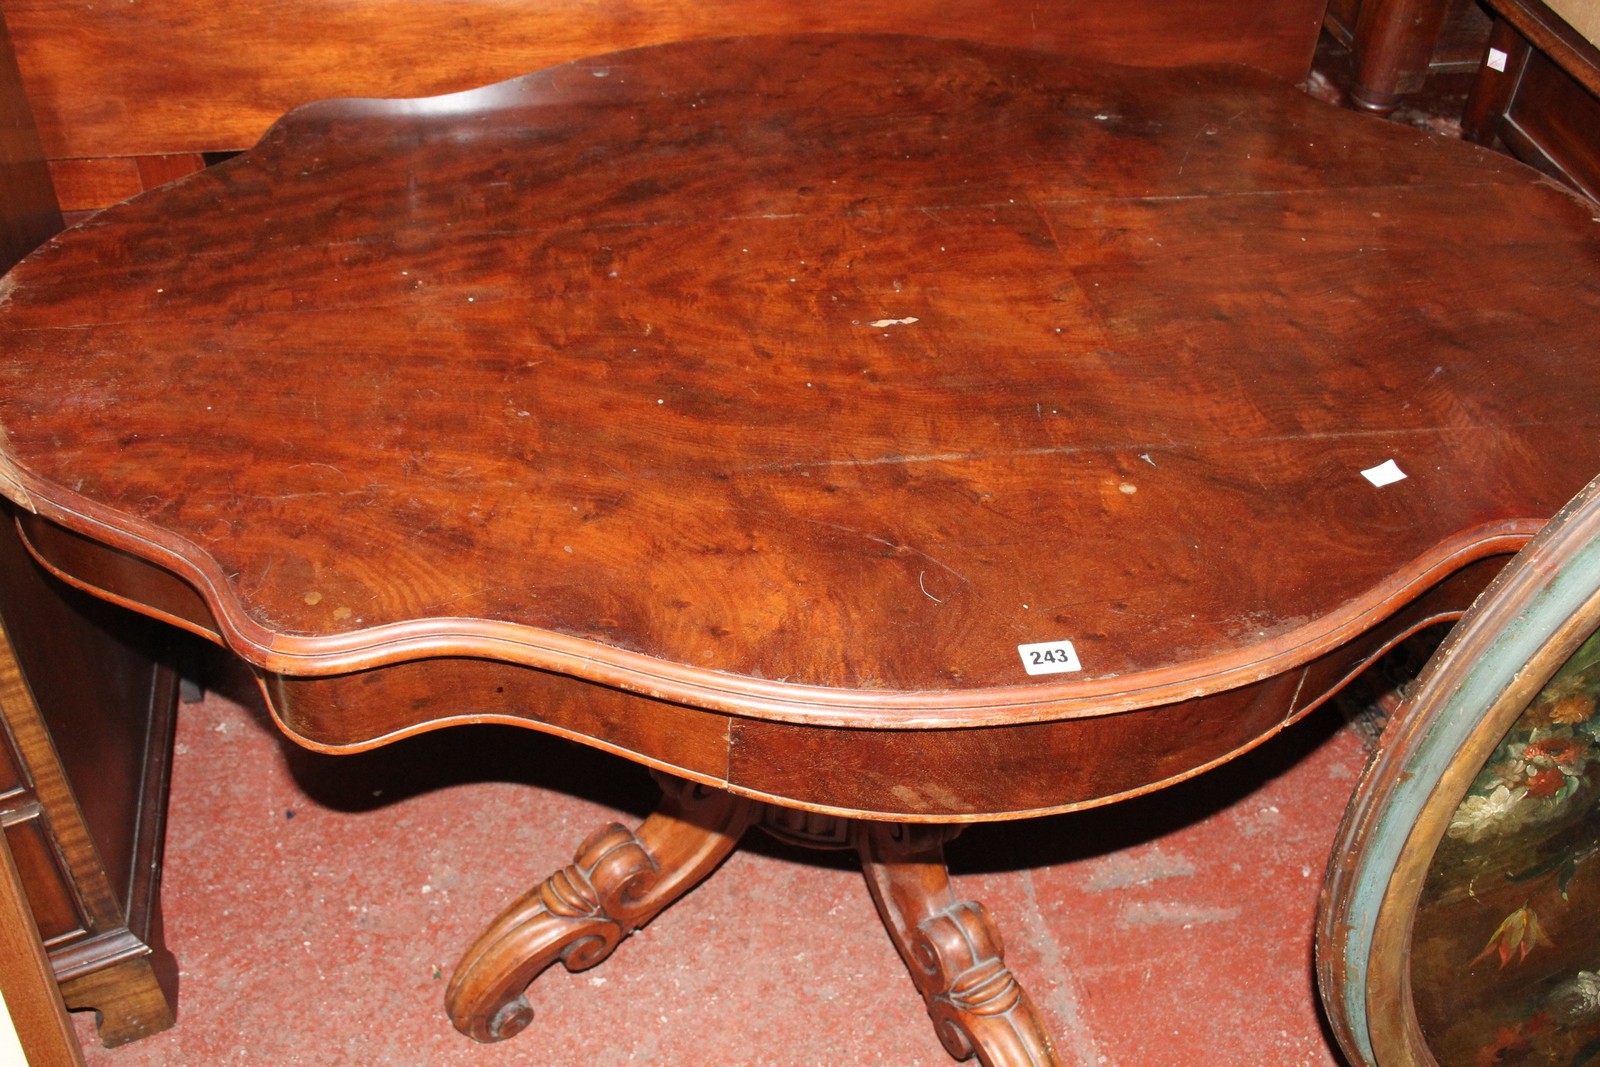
{"x": 1458, "y": 921}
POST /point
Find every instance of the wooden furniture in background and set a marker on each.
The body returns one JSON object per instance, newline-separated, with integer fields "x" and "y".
{"x": 1537, "y": 91}
{"x": 28, "y": 211}
{"x": 33, "y": 1020}
{"x": 83, "y": 770}
{"x": 130, "y": 95}
{"x": 1457, "y": 928}
{"x": 888, "y": 429}
{"x": 1396, "y": 45}
{"x": 83, "y": 777}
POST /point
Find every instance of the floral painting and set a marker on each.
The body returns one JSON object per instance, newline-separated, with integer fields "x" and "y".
{"x": 1505, "y": 964}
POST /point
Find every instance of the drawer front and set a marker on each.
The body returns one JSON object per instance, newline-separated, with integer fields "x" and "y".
{"x": 54, "y": 904}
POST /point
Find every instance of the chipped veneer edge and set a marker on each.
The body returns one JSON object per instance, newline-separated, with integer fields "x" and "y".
{"x": 10, "y": 476}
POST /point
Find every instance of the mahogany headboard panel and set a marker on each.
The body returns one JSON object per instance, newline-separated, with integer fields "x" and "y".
{"x": 127, "y": 93}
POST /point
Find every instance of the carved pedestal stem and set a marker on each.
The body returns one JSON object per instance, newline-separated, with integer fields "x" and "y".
{"x": 619, "y": 880}
{"x": 951, "y": 947}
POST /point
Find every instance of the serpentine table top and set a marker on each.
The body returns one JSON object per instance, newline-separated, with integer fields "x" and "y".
{"x": 795, "y": 384}
{"x": 881, "y": 426}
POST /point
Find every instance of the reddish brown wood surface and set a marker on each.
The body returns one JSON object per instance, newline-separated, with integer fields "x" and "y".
{"x": 34, "y": 1018}
{"x": 30, "y": 213}
{"x": 122, "y": 79}
{"x": 85, "y": 721}
{"x": 802, "y": 380}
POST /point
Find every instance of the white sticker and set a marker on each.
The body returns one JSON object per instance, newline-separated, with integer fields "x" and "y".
{"x": 1386, "y": 473}
{"x": 1049, "y": 657}
{"x": 1497, "y": 60}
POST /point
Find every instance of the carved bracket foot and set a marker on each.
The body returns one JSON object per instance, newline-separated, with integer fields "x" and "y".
{"x": 619, "y": 880}
{"x": 952, "y": 948}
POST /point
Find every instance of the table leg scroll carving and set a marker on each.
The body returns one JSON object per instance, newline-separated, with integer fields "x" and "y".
{"x": 619, "y": 880}
{"x": 952, "y": 948}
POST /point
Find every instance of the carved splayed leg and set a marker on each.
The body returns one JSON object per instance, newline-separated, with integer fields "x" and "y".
{"x": 952, "y": 948}
{"x": 619, "y": 880}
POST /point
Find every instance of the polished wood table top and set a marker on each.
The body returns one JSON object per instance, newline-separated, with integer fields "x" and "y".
{"x": 869, "y": 423}
{"x": 873, "y": 426}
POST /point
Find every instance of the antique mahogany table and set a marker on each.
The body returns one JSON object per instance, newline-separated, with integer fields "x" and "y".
{"x": 872, "y": 435}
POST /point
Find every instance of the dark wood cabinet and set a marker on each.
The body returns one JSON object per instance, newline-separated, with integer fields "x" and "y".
{"x": 33, "y": 1007}
{"x": 1537, "y": 94}
{"x": 86, "y": 705}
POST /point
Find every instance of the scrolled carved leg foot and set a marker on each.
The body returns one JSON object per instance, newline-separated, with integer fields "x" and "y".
{"x": 619, "y": 880}
{"x": 952, "y": 949}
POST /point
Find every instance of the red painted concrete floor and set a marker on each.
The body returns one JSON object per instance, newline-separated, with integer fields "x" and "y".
{"x": 316, "y": 905}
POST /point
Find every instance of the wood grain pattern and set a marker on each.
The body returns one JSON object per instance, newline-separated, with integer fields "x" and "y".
{"x": 194, "y": 76}
{"x": 36, "y": 1021}
{"x": 795, "y": 382}
{"x": 90, "y": 184}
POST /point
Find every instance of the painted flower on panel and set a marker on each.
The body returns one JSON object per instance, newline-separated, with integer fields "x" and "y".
{"x": 1570, "y": 709}
{"x": 1512, "y": 1044}
{"x": 1532, "y": 779}
{"x": 1519, "y": 859}
{"x": 1516, "y": 936}
{"x": 1481, "y": 814}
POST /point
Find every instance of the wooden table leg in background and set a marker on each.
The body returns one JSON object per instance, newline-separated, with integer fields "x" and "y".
{"x": 1393, "y": 45}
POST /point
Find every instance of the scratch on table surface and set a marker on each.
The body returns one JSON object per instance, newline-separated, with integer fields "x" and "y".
{"x": 371, "y": 491}
{"x": 897, "y": 546}
{"x": 929, "y": 457}
{"x": 1208, "y": 130}
{"x": 323, "y": 466}
{"x": 1140, "y": 449}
